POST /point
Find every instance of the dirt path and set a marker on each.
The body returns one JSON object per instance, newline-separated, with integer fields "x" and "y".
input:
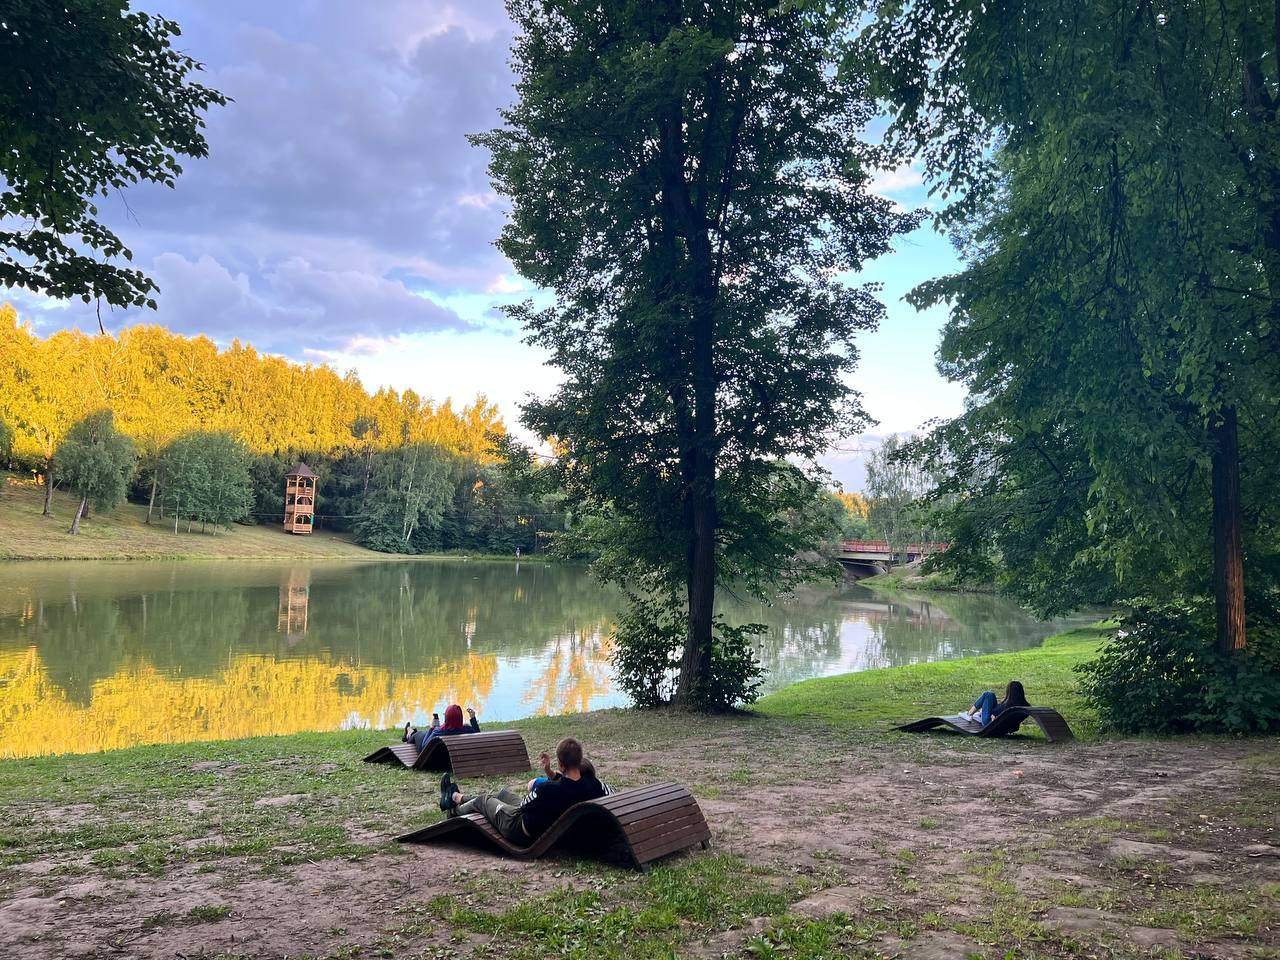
{"x": 916, "y": 847}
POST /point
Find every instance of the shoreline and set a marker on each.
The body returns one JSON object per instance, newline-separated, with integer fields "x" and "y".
{"x": 868, "y": 698}
{"x": 841, "y": 844}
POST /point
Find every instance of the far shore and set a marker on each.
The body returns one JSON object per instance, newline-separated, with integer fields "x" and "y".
{"x": 123, "y": 534}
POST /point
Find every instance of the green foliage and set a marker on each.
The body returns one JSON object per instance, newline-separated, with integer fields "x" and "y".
{"x": 1111, "y": 178}
{"x": 648, "y": 644}
{"x": 6, "y": 441}
{"x": 96, "y": 461}
{"x": 1162, "y": 673}
{"x": 93, "y": 98}
{"x": 408, "y": 491}
{"x": 204, "y": 477}
{"x": 690, "y": 182}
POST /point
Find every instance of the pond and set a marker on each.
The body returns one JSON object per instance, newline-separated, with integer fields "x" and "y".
{"x": 95, "y": 656}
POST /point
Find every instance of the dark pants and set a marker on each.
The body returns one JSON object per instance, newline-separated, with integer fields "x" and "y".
{"x": 502, "y": 809}
{"x": 986, "y": 705}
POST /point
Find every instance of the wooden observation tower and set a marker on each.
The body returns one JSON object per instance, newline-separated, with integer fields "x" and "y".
{"x": 299, "y": 499}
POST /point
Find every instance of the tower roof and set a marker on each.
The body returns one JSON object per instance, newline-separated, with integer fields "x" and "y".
{"x": 301, "y": 470}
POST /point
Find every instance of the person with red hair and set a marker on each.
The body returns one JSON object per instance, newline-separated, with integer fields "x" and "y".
{"x": 452, "y": 725}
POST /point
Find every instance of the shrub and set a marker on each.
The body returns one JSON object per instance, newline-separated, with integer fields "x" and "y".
{"x": 1162, "y": 673}
{"x": 648, "y": 645}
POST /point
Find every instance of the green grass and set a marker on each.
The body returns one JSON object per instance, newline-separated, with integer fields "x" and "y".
{"x": 875, "y": 699}
{"x": 124, "y": 534}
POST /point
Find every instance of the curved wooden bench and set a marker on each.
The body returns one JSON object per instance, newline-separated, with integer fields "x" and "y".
{"x": 465, "y": 754}
{"x": 1047, "y": 719}
{"x": 630, "y": 827}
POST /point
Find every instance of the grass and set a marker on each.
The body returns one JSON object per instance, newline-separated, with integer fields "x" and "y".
{"x": 226, "y": 816}
{"x": 124, "y": 534}
{"x": 875, "y": 699}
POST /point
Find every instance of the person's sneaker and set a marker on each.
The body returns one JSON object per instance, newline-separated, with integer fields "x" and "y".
{"x": 405, "y": 738}
{"x": 446, "y": 792}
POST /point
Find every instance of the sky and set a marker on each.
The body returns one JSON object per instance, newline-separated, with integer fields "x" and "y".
{"x": 343, "y": 218}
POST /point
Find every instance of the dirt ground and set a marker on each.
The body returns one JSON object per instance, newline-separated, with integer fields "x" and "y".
{"x": 930, "y": 846}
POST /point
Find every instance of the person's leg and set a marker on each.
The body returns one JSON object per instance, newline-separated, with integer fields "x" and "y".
{"x": 504, "y": 816}
{"x": 986, "y": 703}
{"x": 509, "y": 796}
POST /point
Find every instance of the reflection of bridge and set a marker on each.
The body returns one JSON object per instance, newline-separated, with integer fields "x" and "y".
{"x": 869, "y": 557}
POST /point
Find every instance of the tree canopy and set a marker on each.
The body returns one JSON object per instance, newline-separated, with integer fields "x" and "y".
{"x": 93, "y": 98}
{"x": 96, "y": 461}
{"x": 689, "y": 181}
{"x": 1111, "y": 175}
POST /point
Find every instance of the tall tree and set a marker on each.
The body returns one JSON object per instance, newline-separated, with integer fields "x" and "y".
{"x": 1118, "y": 320}
{"x": 689, "y": 181}
{"x": 93, "y": 98}
{"x": 409, "y": 490}
{"x": 96, "y": 461}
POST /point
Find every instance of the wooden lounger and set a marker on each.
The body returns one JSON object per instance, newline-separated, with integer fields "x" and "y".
{"x": 630, "y": 827}
{"x": 466, "y": 754}
{"x": 1049, "y": 720}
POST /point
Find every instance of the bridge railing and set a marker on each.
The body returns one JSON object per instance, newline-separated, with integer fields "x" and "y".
{"x": 882, "y": 546}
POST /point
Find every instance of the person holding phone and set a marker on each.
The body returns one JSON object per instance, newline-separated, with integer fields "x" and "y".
{"x": 452, "y": 725}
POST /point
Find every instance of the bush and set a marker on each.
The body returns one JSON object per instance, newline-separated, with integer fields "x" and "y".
{"x": 648, "y": 645}
{"x": 1162, "y": 673}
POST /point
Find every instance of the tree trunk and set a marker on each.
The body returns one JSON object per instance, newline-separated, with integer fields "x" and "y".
{"x": 1228, "y": 549}
{"x": 48, "y": 488}
{"x": 695, "y": 665}
{"x": 75, "y": 523}
{"x": 151, "y": 502}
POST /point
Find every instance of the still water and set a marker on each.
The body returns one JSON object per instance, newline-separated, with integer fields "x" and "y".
{"x": 105, "y": 655}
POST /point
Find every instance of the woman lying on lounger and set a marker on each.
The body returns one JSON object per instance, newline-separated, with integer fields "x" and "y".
{"x": 452, "y": 725}
{"x": 986, "y": 706}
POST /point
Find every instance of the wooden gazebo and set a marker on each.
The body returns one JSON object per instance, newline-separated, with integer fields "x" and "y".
{"x": 299, "y": 499}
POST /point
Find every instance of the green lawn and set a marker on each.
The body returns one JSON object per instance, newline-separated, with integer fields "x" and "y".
{"x": 876, "y": 699}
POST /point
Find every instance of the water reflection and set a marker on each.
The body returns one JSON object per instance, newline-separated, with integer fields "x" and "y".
{"x": 107, "y": 655}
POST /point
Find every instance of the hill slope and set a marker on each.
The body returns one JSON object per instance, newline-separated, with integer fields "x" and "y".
{"x": 123, "y": 534}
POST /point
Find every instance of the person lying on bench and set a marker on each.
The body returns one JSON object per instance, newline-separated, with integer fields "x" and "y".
{"x": 452, "y": 725}
{"x": 521, "y": 820}
{"x": 986, "y": 706}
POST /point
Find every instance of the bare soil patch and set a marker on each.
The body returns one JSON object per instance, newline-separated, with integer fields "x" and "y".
{"x": 895, "y": 846}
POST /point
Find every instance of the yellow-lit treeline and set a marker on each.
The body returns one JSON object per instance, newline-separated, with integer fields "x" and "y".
{"x": 160, "y": 384}
{"x": 255, "y": 695}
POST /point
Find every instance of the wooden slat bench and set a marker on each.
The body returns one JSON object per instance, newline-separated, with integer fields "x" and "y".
{"x": 465, "y": 754}
{"x": 1046, "y": 718}
{"x": 630, "y": 827}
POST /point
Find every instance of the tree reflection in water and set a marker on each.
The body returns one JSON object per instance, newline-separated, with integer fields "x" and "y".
{"x": 94, "y": 656}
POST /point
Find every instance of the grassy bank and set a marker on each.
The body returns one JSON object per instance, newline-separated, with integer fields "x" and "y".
{"x": 876, "y": 699}
{"x": 124, "y": 534}
{"x": 831, "y": 838}
{"x": 909, "y": 577}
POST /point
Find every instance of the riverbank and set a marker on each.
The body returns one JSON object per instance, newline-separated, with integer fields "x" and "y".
{"x": 909, "y": 577}
{"x": 831, "y": 837}
{"x": 124, "y": 534}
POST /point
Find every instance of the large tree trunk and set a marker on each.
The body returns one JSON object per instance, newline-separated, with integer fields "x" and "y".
{"x": 151, "y": 501}
{"x": 1228, "y": 548}
{"x": 48, "y": 488}
{"x": 695, "y": 666}
{"x": 75, "y": 523}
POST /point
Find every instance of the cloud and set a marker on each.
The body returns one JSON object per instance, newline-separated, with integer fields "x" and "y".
{"x": 339, "y": 188}
{"x": 898, "y": 180}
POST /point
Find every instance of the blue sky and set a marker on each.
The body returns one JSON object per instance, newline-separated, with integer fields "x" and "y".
{"x": 342, "y": 217}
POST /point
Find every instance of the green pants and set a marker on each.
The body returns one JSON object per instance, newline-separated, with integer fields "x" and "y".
{"x": 502, "y": 809}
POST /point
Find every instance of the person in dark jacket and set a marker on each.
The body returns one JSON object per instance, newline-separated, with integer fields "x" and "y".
{"x": 452, "y": 725}
{"x": 986, "y": 706}
{"x": 523, "y": 819}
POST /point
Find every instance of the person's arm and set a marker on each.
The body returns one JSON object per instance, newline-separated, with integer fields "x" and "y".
{"x": 474, "y": 723}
